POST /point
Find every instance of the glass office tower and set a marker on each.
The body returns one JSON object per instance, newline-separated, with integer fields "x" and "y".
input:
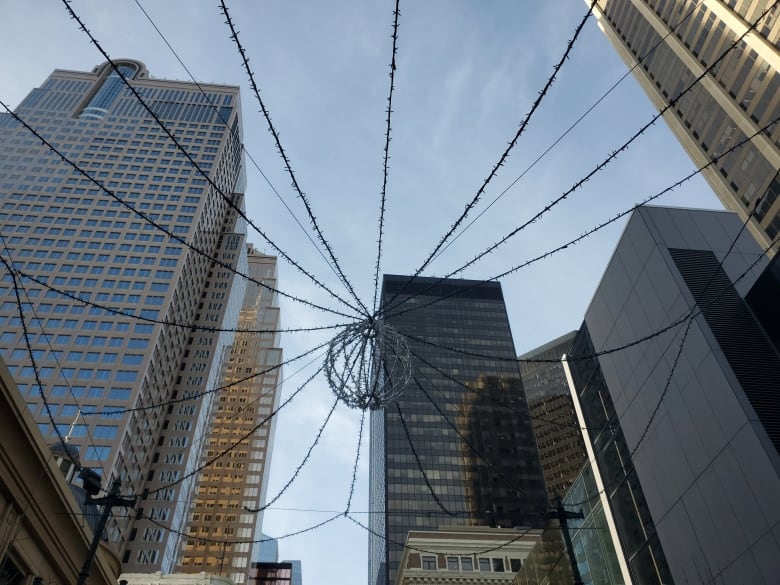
{"x": 230, "y": 487}
{"x": 675, "y": 41}
{"x": 557, "y": 431}
{"x": 73, "y": 244}
{"x": 479, "y": 458}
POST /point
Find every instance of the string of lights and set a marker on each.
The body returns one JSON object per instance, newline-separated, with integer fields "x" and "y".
{"x": 238, "y": 442}
{"x": 545, "y": 255}
{"x": 30, "y": 352}
{"x": 514, "y": 539}
{"x": 244, "y": 408}
{"x": 181, "y": 148}
{"x": 393, "y": 66}
{"x": 355, "y": 466}
{"x": 221, "y": 541}
{"x": 298, "y": 469}
{"x": 18, "y": 275}
{"x": 504, "y": 155}
{"x": 234, "y": 133}
{"x": 166, "y": 322}
{"x": 164, "y": 229}
{"x": 285, "y": 158}
{"x": 195, "y": 395}
{"x": 36, "y": 319}
{"x": 601, "y": 166}
{"x": 639, "y": 61}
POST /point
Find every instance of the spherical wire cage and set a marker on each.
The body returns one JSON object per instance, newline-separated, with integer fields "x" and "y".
{"x": 368, "y": 365}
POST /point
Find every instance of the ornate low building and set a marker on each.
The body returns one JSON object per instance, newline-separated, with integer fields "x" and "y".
{"x": 44, "y": 534}
{"x": 465, "y": 555}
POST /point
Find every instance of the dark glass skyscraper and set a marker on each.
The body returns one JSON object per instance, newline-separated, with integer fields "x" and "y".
{"x": 479, "y": 458}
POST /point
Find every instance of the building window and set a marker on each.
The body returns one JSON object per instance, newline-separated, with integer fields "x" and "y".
{"x": 466, "y": 564}
{"x": 484, "y": 565}
{"x": 498, "y": 565}
{"x": 429, "y": 563}
{"x": 452, "y": 564}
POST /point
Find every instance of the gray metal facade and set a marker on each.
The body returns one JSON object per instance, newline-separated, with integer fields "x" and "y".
{"x": 689, "y": 466}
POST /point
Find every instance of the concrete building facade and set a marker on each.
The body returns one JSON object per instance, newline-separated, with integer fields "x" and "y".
{"x": 676, "y": 41}
{"x": 127, "y": 325}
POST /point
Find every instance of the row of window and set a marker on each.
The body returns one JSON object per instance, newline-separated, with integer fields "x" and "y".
{"x": 46, "y": 372}
{"x": 100, "y": 202}
{"x": 454, "y": 563}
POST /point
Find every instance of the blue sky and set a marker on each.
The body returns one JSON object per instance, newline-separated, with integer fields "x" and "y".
{"x": 467, "y": 74}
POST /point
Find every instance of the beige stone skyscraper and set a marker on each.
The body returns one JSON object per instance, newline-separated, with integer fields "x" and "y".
{"x": 233, "y": 485}
{"x": 737, "y": 98}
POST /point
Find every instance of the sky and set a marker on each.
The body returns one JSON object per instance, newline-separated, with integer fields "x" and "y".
{"x": 467, "y": 73}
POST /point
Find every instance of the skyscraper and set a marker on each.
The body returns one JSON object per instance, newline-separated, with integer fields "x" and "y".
{"x": 127, "y": 325}
{"x": 682, "y": 429}
{"x": 557, "y": 432}
{"x": 230, "y": 487}
{"x": 481, "y": 460}
{"x": 675, "y": 41}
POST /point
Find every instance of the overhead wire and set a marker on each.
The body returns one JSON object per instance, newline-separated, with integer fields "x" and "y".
{"x": 543, "y": 256}
{"x": 285, "y": 158}
{"x": 228, "y": 200}
{"x": 599, "y": 167}
{"x": 161, "y": 227}
{"x": 509, "y": 542}
{"x": 235, "y": 134}
{"x": 220, "y": 541}
{"x": 393, "y": 67}
{"x": 504, "y": 155}
{"x": 639, "y": 60}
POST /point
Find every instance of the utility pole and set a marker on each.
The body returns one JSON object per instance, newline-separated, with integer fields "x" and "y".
{"x": 563, "y": 516}
{"x": 112, "y": 500}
